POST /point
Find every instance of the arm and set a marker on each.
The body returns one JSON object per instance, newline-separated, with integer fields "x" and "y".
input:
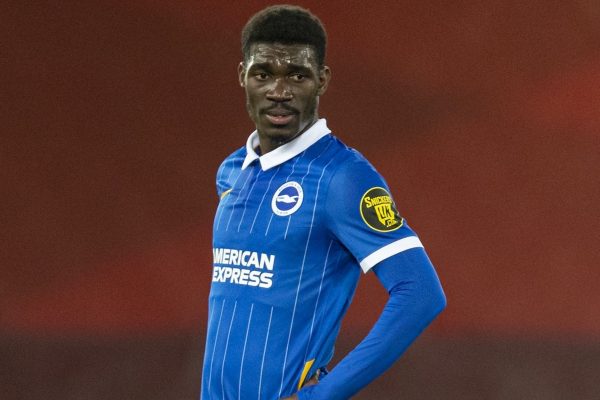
{"x": 416, "y": 298}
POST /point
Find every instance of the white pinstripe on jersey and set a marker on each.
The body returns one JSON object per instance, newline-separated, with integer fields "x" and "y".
{"x": 244, "y": 352}
{"x": 263, "y": 199}
{"x": 248, "y": 198}
{"x": 237, "y": 200}
{"x": 312, "y": 323}
{"x": 226, "y": 347}
{"x": 262, "y": 362}
{"x": 212, "y": 359}
{"x": 221, "y": 208}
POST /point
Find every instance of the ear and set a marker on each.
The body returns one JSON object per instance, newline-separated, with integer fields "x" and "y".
{"x": 242, "y": 74}
{"x": 324, "y": 78}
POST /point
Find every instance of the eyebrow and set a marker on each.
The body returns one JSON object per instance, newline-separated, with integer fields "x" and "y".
{"x": 292, "y": 66}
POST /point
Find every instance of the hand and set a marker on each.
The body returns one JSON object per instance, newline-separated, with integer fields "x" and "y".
{"x": 312, "y": 381}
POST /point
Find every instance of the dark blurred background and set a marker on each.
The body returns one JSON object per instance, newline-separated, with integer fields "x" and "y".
{"x": 484, "y": 116}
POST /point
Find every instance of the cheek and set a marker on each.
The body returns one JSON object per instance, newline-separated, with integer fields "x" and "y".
{"x": 310, "y": 101}
{"x": 251, "y": 101}
{"x": 254, "y": 94}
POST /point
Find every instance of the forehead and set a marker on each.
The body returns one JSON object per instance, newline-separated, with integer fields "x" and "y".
{"x": 279, "y": 53}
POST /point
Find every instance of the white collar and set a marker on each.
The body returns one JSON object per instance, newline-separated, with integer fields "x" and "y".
{"x": 286, "y": 151}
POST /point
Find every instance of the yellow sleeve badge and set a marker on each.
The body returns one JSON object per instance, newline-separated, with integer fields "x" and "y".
{"x": 378, "y": 210}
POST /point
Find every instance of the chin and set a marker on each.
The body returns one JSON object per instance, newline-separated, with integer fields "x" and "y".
{"x": 281, "y": 132}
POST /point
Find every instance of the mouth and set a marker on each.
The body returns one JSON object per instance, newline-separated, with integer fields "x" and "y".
{"x": 280, "y": 119}
{"x": 279, "y": 115}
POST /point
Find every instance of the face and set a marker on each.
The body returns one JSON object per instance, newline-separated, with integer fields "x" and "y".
{"x": 283, "y": 83}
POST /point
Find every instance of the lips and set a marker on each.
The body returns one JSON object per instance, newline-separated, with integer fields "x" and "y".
{"x": 279, "y": 115}
{"x": 280, "y": 119}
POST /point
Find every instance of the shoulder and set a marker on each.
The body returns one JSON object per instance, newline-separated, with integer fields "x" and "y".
{"x": 235, "y": 158}
{"x": 354, "y": 179}
{"x": 231, "y": 162}
{"x": 351, "y": 166}
{"x": 340, "y": 158}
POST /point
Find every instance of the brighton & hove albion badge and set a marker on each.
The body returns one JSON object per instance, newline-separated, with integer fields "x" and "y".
{"x": 378, "y": 210}
{"x": 287, "y": 199}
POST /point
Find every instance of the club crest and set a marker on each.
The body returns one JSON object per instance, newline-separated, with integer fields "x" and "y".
{"x": 287, "y": 199}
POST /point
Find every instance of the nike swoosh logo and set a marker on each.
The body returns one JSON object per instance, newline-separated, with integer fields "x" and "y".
{"x": 225, "y": 193}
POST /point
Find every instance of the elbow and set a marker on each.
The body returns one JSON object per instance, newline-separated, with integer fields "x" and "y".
{"x": 433, "y": 302}
{"x": 437, "y": 302}
{"x": 441, "y": 302}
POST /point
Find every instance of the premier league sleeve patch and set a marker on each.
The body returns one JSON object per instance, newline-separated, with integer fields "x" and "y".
{"x": 378, "y": 210}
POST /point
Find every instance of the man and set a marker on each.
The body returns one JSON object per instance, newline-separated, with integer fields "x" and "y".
{"x": 300, "y": 215}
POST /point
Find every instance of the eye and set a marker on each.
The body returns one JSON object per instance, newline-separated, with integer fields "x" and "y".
{"x": 261, "y": 76}
{"x": 298, "y": 77}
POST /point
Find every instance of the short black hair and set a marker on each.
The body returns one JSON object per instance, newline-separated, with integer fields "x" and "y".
{"x": 285, "y": 24}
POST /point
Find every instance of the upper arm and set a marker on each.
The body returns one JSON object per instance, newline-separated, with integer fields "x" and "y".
{"x": 363, "y": 216}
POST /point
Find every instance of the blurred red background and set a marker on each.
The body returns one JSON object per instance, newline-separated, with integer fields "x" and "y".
{"x": 483, "y": 116}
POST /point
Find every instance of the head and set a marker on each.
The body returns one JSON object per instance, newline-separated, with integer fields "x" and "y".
{"x": 283, "y": 72}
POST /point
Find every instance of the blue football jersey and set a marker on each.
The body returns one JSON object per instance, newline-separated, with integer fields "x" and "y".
{"x": 292, "y": 232}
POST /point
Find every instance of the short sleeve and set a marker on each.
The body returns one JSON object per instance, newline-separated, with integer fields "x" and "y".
{"x": 362, "y": 214}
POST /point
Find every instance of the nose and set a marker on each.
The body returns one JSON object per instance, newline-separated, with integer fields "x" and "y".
{"x": 279, "y": 91}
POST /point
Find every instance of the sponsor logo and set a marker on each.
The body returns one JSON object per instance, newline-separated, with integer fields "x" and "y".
{"x": 243, "y": 267}
{"x": 378, "y": 210}
{"x": 287, "y": 199}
